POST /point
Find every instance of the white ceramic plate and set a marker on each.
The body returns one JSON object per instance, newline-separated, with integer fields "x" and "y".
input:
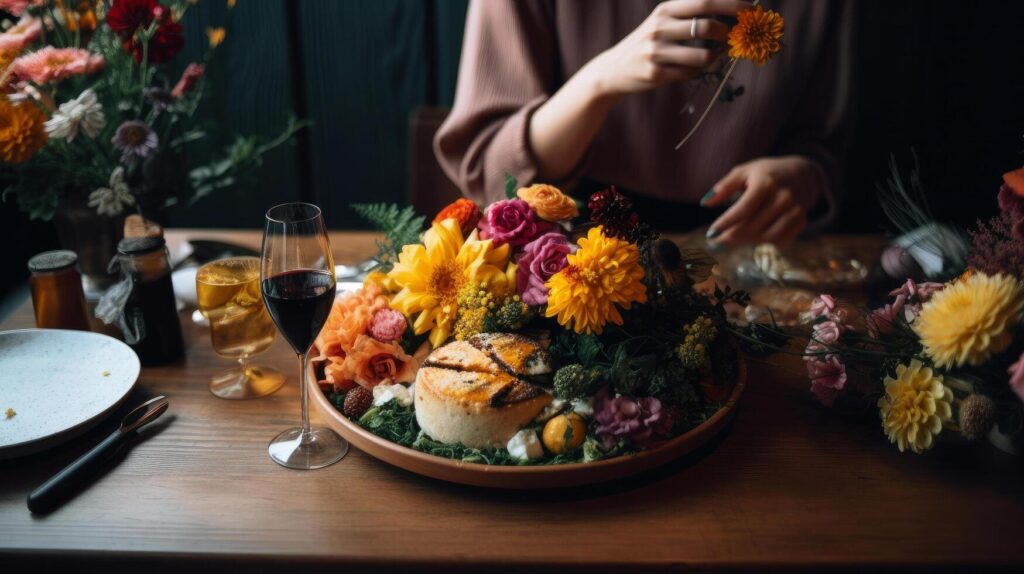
{"x": 59, "y": 384}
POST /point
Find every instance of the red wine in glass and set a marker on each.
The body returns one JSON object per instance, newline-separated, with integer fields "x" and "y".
{"x": 299, "y": 302}
{"x": 298, "y": 284}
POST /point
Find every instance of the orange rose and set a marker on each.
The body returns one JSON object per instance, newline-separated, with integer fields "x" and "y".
{"x": 549, "y": 202}
{"x": 462, "y": 210}
{"x": 372, "y": 362}
{"x": 349, "y": 318}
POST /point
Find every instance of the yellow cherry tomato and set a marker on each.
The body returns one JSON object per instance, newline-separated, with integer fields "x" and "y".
{"x": 564, "y": 433}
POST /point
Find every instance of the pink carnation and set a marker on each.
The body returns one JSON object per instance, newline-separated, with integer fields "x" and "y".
{"x": 540, "y": 259}
{"x": 828, "y": 332}
{"x": 882, "y": 321}
{"x": 639, "y": 421}
{"x": 828, "y": 377}
{"x": 1016, "y": 372}
{"x": 51, "y": 65}
{"x": 511, "y": 221}
{"x": 388, "y": 325}
{"x": 18, "y": 7}
{"x": 189, "y": 78}
{"x": 21, "y": 34}
{"x": 922, "y": 291}
{"x": 822, "y": 305}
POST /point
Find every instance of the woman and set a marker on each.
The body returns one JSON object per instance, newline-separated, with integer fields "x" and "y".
{"x": 590, "y": 93}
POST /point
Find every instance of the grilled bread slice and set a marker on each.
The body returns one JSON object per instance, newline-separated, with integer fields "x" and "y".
{"x": 463, "y": 395}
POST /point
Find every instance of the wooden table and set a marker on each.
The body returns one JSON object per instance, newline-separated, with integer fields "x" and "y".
{"x": 788, "y": 486}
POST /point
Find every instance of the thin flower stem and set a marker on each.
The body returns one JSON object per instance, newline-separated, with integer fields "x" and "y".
{"x": 714, "y": 98}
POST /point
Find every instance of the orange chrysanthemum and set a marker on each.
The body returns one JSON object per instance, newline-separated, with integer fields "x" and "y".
{"x": 21, "y": 131}
{"x": 757, "y": 36}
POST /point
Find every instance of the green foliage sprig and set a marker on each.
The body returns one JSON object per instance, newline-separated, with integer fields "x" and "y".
{"x": 400, "y": 226}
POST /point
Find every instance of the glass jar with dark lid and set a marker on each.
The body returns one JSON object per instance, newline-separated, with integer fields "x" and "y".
{"x": 151, "y": 325}
{"x": 57, "y": 296}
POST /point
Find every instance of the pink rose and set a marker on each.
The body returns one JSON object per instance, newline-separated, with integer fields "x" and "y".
{"x": 388, "y": 325}
{"x": 511, "y": 221}
{"x": 1016, "y": 372}
{"x": 540, "y": 259}
{"x": 828, "y": 377}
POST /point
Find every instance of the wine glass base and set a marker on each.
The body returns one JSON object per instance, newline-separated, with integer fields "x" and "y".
{"x": 252, "y": 382}
{"x": 319, "y": 448}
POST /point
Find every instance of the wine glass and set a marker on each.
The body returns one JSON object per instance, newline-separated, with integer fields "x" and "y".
{"x": 297, "y": 279}
{"x": 228, "y": 295}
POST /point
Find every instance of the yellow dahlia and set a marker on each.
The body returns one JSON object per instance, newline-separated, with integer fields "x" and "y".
{"x": 757, "y": 35}
{"x": 430, "y": 276}
{"x": 21, "y": 131}
{"x": 601, "y": 276}
{"x": 970, "y": 320}
{"x": 914, "y": 406}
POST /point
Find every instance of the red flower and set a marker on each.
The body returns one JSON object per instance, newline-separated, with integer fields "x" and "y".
{"x": 126, "y": 17}
{"x": 129, "y": 17}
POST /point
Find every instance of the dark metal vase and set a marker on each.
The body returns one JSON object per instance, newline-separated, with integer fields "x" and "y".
{"x": 94, "y": 238}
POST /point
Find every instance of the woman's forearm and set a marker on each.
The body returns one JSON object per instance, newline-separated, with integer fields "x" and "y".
{"x": 563, "y": 127}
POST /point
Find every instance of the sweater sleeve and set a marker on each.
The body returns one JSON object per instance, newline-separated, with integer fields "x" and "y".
{"x": 820, "y": 129}
{"x": 507, "y": 71}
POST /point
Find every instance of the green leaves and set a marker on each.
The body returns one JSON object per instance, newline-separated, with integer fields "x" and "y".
{"x": 511, "y": 185}
{"x": 400, "y": 226}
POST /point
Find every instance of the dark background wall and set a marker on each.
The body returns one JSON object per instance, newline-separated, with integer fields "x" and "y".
{"x": 933, "y": 77}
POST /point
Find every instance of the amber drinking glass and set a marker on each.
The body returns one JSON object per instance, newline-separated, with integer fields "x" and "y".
{"x": 228, "y": 292}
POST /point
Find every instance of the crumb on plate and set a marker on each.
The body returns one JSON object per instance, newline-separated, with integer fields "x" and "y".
{"x": 9, "y": 412}
{"x": 105, "y": 373}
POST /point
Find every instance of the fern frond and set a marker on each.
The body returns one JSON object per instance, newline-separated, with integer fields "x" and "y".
{"x": 400, "y": 226}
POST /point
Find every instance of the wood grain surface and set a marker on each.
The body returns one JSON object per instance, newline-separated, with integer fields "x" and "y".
{"x": 788, "y": 486}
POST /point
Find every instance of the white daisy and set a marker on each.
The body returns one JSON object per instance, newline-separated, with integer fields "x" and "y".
{"x": 112, "y": 200}
{"x": 83, "y": 113}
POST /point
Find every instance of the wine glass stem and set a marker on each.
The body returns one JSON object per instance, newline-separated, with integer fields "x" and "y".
{"x": 304, "y": 394}
{"x": 243, "y": 364}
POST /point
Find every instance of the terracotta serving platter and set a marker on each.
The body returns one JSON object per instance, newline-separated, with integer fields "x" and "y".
{"x": 527, "y": 477}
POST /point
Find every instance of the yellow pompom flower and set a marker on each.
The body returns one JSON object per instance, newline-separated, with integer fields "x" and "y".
{"x": 914, "y": 406}
{"x": 970, "y": 320}
{"x": 603, "y": 275}
{"x": 757, "y": 35}
{"x": 430, "y": 276}
{"x": 21, "y": 131}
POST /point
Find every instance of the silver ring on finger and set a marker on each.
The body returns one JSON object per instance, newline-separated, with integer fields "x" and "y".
{"x": 693, "y": 28}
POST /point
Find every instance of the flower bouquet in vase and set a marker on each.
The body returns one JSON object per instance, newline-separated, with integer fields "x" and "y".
{"x": 95, "y": 118}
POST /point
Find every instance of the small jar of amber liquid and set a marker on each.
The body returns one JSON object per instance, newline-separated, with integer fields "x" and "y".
{"x": 57, "y": 295}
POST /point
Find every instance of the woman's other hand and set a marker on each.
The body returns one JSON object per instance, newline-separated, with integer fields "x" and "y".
{"x": 653, "y": 54}
{"x": 776, "y": 194}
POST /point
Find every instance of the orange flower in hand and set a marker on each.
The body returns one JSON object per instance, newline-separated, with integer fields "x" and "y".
{"x": 462, "y": 210}
{"x": 549, "y": 202}
{"x": 1015, "y": 181}
{"x": 757, "y": 36}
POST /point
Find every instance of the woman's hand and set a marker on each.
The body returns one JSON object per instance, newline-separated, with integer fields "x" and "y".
{"x": 652, "y": 54}
{"x": 777, "y": 193}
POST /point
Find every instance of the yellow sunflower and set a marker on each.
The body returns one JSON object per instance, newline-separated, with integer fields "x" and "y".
{"x": 601, "y": 276}
{"x": 21, "y": 131}
{"x": 430, "y": 276}
{"x": 914, "y": 406}
{"x": 757, "y": 36}
{"x": 970, "y": 320}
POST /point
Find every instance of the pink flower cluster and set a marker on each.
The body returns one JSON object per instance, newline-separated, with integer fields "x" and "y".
{"x": 907, "y": 304}
{"x": 640, "y": 421}
{"x": 826, "y": 371}
{"x": 17, "y": 37}
{"x": 388, "y": 325}
{"x": 18, "y": 7}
